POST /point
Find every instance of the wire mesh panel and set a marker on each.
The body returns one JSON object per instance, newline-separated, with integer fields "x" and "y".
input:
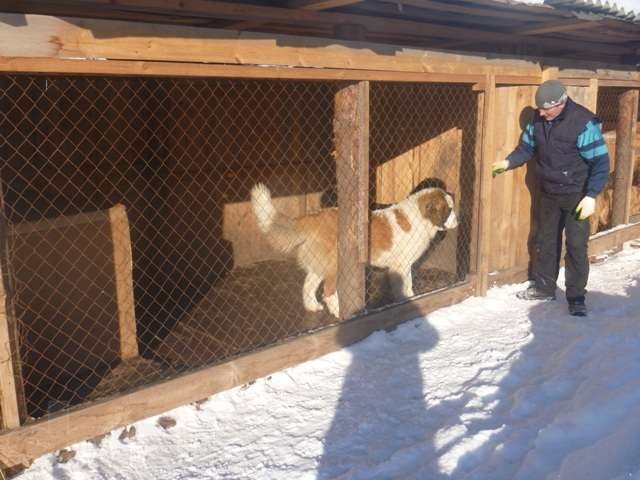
{"x": 181, "y": 156}
{"x": 423, "y": 138}
{"x": 160, "y": 225}
{"x": 607, "y": 112}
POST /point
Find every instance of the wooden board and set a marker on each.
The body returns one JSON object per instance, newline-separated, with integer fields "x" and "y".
{"x": 511, "y": 199}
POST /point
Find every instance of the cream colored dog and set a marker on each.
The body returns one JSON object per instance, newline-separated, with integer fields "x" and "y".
{"x": 398, "y": 236}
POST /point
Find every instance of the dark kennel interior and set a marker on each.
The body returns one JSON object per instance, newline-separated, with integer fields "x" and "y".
{"x": 181, "y": 156}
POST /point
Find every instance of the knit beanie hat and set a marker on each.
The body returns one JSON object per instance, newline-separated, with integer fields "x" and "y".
{"x": 550, "y": 94}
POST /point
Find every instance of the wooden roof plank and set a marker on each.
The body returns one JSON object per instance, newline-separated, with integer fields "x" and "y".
{"x": 554, "y": 27}
{"x": 234, "y": 11}
{"x": 315, "y": 5}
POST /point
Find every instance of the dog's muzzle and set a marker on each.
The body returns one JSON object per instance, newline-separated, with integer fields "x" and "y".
{"x": 452, "y": 221}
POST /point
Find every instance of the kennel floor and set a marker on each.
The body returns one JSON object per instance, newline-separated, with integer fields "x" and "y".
{"x": 261, "y": 304}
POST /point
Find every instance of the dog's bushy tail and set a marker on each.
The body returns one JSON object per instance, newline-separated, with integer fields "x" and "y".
{"x": 279, "y": 229}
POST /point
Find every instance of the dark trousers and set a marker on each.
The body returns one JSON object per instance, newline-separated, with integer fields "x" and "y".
{"x": 555, "y": 214}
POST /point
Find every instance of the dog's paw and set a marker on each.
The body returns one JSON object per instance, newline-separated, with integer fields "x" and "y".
{"x": 313, "y": 307}
{"x": 333, "y": 305}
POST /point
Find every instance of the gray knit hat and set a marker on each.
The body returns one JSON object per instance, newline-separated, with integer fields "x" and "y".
{"x": 550, "y": 94}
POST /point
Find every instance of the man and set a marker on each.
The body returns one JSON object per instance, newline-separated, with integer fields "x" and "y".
{"x": 572, "y": 168}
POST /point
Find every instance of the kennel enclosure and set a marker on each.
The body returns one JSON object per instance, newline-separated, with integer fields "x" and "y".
{"x": 135, "y": 275}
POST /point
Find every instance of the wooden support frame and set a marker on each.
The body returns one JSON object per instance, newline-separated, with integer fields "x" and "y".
{"x": 20, "y": 445}
{"x": 123, "y": 274}
{"x": 488, "y": 97}
{"x": 592, "y": 95}
{"x": 351, "y": 136}
{"x": 625, "y": 139}
{"x": 118, "y": 225}
{"x": 12, "y": 402}
{"x": 146, "y": 54}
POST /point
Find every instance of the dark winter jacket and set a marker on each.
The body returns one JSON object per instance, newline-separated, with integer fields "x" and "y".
{"x": 572, "y": 155}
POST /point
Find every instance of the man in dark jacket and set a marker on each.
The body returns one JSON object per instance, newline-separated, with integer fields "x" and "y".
{"x": 572, "y": 168}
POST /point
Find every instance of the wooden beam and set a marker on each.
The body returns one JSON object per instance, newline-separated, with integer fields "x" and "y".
{"x": 316, "y": 5}
{"x": 625, "y": 139}
{"x": 12, "y": 401}
{"x": 592, "y": 94}
{"x": 178, "y": 69}
{"x": 123, "y": 275}
{"x": 351, "y": 137}
{"x": 402, "y": 10}
{"x": 488, "y": 157}
{"x": 9, "y": 398}
{"x": 102, "y": 39}
{"x": 620, "y": 83}
{"x": 320, "y": 4}
{"x": 555, "y": 27}
{"x": 613, "y": 239}
{"x": 518, "y": 80}
{"x": 474, "y": 243}
{"x": 550, "y": 73}
{"x": 20, "y": 445}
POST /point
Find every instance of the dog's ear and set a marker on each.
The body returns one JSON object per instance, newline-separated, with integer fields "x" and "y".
{"x": 434, "y": 207}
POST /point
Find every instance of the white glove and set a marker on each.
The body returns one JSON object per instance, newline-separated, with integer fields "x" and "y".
{"x": 498, "y": 167}
{"x": 586, "y": 207}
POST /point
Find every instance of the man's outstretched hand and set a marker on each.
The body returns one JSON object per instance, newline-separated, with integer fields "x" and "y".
{"x": 499, "y": 167}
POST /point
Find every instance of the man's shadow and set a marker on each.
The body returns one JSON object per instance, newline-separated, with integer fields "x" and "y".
{"x": 382, "y": 425}
{"x": 546, "y": 421}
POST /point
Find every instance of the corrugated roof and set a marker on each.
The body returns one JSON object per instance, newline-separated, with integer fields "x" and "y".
{"x": 627, "y": 10}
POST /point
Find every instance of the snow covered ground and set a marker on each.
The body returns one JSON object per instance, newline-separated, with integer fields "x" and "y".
{"x": 492, "y": 388}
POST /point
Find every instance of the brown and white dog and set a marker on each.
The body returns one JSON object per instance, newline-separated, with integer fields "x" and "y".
{"x": 398, "y": 235}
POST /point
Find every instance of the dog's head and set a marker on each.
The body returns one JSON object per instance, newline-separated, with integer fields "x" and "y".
{"x": 437, "y": 206}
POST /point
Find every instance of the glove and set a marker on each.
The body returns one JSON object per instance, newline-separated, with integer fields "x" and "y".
{"x": 586, "y": 207}
{"x": 498, "y": 167}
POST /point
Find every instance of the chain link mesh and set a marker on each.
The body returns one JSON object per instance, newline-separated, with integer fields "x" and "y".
{"x": 607, "y": 112}
{"x": 134, "y": 249}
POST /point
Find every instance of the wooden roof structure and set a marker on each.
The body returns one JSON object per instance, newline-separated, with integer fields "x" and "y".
{"x": 554, "y": 29}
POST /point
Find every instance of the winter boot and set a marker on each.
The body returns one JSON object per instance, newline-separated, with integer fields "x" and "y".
{"x": 577, "y": 308}
{"x": 532, "y": 293}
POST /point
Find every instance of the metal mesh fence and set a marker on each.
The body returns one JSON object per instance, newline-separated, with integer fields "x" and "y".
{"x": 134, "y": 249}
{"x": 424, "y": 136}
{"x": 607, "y": 112}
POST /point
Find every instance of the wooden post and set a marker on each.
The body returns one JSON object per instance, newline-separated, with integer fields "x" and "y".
{"x": 12, "y": 404}
{"x": 123, "y": 272}
{"x": 351, "y": 136}
{"x": 488, "y": 157}
{"x": 474, "y": 244}
{"x": 550, "y": 73}
{"x": 625, "y": 135}
{"x": 592, "y": 95}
